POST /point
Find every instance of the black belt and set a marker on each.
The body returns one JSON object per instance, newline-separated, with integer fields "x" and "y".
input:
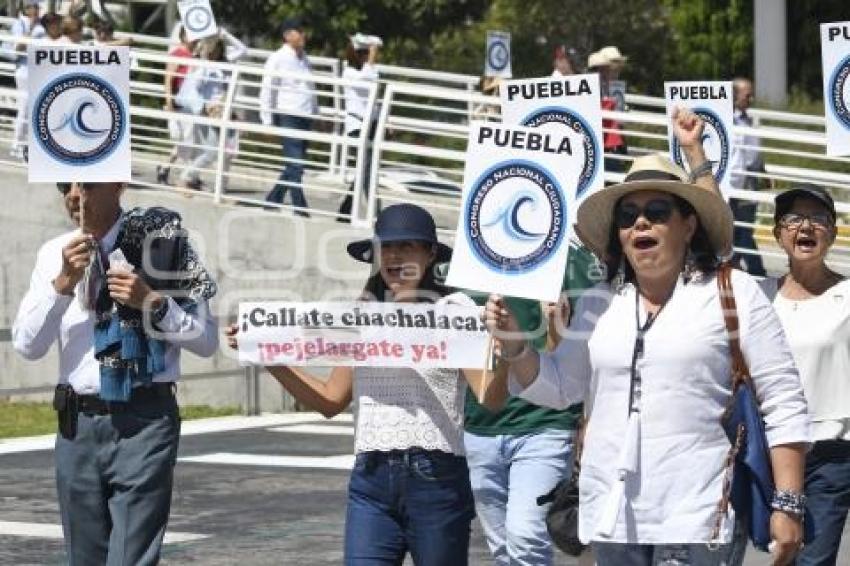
{"x": 94, "y": 405}
{"x": 831, "y": 449}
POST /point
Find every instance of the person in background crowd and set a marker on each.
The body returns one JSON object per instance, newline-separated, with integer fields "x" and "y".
{"x": 409, "y": 490}
{"x": 564, "y": 61}
{"x": 521, "y": 451}
{"x": 72, "y": 30}
{"x": 647, "y": 352}
{"x": 184, "y": 133}
{"x": 119, "y": 425}
{"x": 26, "y": 25}
{"x": 361, "y": 56}
{"x": 745, "y": 158}
{"x": 104, "y": 35}
{"x": 289, "y": 101}
{"x": 612, "y": 140}
{"x": 203, "y": 93}
{"x": 180, "y": 131}
{"x": 52, "y": 24}
{"x": 813, "y": 304}
{"x": 616, "y": 62}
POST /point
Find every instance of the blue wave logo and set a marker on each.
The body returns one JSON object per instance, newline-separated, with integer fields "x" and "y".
{"x": 79, "y": 119}
{"x": 837, "y": 100}
{"x": 75, "y": 121}
{"x": 497, "y": 224}
{"x": 508, "y": 216}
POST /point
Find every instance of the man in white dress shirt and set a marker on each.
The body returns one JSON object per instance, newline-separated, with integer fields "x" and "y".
{"x": 745, "y": 157}
{"x": 288, "y": 100}
{"x": 119, "y": 332}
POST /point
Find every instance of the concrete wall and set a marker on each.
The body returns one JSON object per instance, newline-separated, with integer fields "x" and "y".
{"x": 253, "y": 255}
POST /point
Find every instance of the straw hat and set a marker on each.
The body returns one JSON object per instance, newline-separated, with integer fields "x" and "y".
{"x": 596, "y": 59}
{"x": 654, "y": 173}
{"x": 613, "y": 55}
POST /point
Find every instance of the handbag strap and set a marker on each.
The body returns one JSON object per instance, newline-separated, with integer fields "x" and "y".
{"x": 740, "y": 371}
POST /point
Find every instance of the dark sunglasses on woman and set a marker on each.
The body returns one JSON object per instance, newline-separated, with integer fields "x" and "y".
{"x": 656, "y": 211}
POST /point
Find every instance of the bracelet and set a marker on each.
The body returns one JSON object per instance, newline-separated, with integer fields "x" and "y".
{"x": 159, "y": 313}
{"x": 510, "y": 359}
{"x": 789, "y": 501}
{"x": 703, "y": 169}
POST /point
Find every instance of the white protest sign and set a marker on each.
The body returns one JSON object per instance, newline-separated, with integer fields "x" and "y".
{"x": 198, "y": 19}
{"x": 617, "y": 91}
{"x": 513, "y": 232}
{"x": 497, "y": 59}
{"x": 835, "y": 52}
{"x": 558, "y": 104}
{"x": 362, "y": 334}
{"x": 79, "y": 101}
{"x": 713, "y": 102}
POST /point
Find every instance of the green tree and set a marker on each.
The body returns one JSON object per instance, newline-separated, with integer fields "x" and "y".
{"x": 711, "y": 39}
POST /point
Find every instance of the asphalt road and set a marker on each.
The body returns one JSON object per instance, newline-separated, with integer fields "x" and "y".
{"x": 269, "y": 490}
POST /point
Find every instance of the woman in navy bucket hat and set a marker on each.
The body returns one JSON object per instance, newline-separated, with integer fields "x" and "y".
{"x": 409, "y": 490}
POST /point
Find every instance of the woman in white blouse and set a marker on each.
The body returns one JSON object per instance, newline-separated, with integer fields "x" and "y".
{"x": 409, "y": 490}
{"x": 361, "y": 58}
{"x": 813, "y": 303}
{"x": 647, "y": 351}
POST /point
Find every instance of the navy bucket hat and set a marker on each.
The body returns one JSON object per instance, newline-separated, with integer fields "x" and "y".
{"x": 401, "y": 223}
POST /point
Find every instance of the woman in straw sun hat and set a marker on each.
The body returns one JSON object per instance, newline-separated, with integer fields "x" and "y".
{"x": 647, "y": 350}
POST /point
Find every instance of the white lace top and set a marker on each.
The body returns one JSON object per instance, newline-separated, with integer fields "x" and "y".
{"x": 400, "y": 408}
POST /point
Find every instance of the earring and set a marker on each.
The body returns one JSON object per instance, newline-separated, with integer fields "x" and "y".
{"x": 690, "y": 271}
{"x": 619, "y": 281}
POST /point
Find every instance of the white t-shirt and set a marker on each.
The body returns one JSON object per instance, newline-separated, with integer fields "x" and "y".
{"x": 818, "y": 330}
{"x": 400, "y": 408}
{"x": 357, "y": 98}
{"x": 658, "y": 479}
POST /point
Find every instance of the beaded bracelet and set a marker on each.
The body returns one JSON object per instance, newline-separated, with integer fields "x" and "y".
{"x": 699, "y": 171}
{"x": 789, "y": 502}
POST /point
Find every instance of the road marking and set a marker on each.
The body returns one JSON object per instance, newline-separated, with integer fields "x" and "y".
{"x": 188, "y": 428}
{"x": 47, "y": 530}
{"x": 342, "y": 462}
{"x": 315, "y": 429}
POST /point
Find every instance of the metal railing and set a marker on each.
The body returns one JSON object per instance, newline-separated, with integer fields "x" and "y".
{"x": 419, "y": 139}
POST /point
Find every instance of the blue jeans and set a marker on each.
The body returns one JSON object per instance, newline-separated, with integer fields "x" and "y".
{"x": 414, "y": 500}
{"x": 508, "y": 474}
{"x": 621, "y": 554}
{"x": 828, "y": 492}
{"x": 294, "y": 151}
{"x": 745, "y": 211}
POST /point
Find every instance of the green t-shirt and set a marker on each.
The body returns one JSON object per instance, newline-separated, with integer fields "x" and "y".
{"x": 518, "y": 416}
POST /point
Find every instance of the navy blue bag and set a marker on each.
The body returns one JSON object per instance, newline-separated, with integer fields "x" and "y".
{"x": 751, "y": 489}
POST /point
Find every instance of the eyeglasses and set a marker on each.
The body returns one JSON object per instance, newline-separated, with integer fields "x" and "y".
{"x": 795, "y": 220}
{"x": 657, "y": 211}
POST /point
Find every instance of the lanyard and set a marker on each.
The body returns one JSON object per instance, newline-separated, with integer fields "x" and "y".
{"x": 637, "y": 353}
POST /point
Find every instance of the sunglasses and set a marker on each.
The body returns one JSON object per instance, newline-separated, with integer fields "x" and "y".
{"x": 656, "y": 211}
{"x": 795, "y": 220}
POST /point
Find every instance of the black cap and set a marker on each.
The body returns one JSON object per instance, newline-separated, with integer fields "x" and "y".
{"x": 784, "y": 201}
{"x": 291, "y": 23}
{"x": 401, "y": 222}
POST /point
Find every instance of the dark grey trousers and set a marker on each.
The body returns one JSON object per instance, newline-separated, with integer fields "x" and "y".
{"x": 114, "y": 481}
